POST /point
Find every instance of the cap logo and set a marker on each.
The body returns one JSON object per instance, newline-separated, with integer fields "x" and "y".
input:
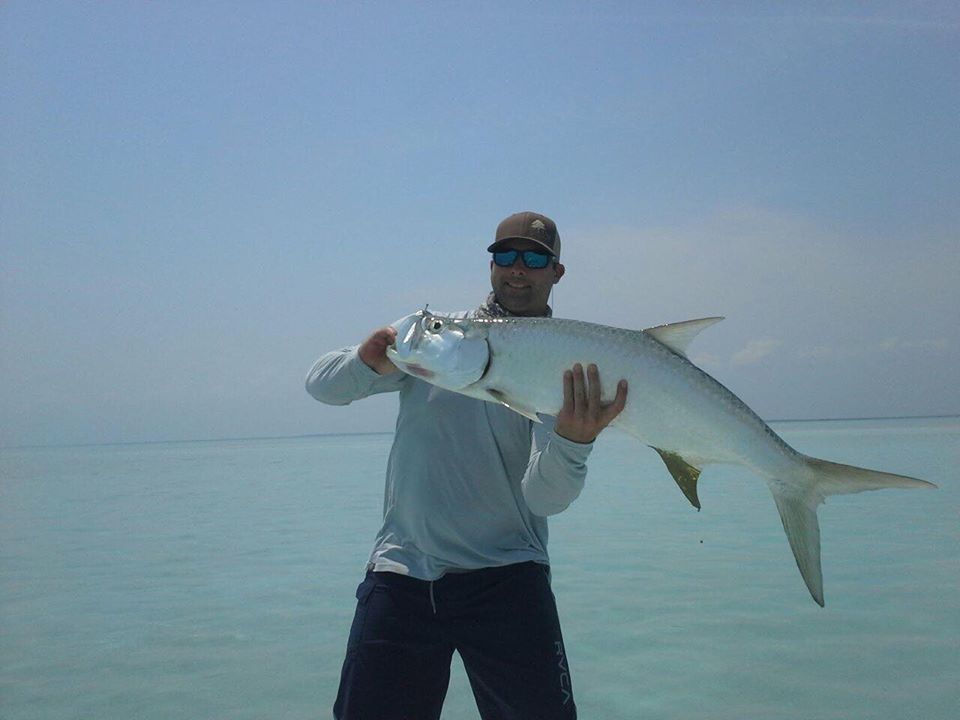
{"x": 538, "y": 225}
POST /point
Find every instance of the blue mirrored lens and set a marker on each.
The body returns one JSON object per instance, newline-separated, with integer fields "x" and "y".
{"x": 535, "y": 260}
{"x": 505, "y": 258}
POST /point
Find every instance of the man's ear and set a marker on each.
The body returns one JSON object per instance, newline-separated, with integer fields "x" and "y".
{"x": 558, "y": 271}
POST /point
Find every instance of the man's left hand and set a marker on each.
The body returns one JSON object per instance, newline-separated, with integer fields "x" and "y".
{"x": 584, "y": 415}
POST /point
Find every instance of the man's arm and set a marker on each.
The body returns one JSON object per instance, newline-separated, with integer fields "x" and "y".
{"x": 342, "y": 376}
{"x": 557, "y": 470}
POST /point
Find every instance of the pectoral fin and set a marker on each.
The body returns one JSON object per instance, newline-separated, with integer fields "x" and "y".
{"x": 684, "y": 473}
{"x": 518, "y": 407}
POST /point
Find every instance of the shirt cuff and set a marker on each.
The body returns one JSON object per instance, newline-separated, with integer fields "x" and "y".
{"x": 573, "y": 450}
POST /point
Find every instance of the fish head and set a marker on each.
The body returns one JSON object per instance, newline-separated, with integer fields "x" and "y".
{"x": 444, "y": 351}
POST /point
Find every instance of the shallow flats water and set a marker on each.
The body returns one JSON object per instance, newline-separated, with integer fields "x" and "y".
{"x": 215, "y": 580}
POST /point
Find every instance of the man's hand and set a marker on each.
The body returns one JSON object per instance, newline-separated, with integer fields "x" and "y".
{"x": 373, "y": 350}
{"x": 583, "y": 415}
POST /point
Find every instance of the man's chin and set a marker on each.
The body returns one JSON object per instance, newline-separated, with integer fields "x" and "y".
{"x": 519, "y": 306}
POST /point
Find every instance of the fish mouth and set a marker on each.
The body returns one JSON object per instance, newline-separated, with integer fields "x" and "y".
{"x": 409, "y": 367}
{"x": 418, "y": 370}
{"x": 409, "y": 332}
{"x": 407, "y": 335}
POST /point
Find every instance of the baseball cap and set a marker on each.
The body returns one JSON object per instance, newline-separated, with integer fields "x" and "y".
{"x": 528, "y": 226}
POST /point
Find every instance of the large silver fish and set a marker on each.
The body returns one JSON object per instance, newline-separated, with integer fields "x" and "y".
{"x": 673, "y": 406}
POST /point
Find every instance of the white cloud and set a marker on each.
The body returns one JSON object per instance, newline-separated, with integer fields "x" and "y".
{"x": 820, "y": 352}
{"x": 889, "y": 345}
{"x": 896, "y": 344}
{"x": 754, "y": 351}
{"x": 703, "y": 359}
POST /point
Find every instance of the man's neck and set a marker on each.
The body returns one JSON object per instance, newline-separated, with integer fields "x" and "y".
{"x": 494, "y": 308}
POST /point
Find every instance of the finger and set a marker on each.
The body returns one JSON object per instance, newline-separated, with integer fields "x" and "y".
{"x": 619, "y": 402}
{"x": 568, "y": 390}
{"x": 593, "y": 391}
{"x": 376, "y": 338}
{"x": 579, "y": 390}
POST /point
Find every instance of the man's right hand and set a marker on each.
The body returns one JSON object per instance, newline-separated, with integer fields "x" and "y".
{"x": 373, "y": 350}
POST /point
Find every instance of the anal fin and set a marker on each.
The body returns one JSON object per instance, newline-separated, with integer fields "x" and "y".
{"x": 684, "y": 473}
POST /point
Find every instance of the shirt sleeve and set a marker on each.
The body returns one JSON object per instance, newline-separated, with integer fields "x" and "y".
{"x": 557, "y": 470}
{"x": 340, "y": 377}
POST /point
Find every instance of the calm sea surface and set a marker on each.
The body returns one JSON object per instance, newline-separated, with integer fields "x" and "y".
{"x": 216, "y": 579}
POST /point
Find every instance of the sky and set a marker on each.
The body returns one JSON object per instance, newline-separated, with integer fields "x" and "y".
{"x": 199, "y": 199}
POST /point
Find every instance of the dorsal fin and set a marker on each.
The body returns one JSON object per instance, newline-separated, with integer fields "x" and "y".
{"x": 677, "y": 336}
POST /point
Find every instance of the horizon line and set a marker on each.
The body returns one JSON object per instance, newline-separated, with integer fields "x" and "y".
{"x": 390, "y": 432}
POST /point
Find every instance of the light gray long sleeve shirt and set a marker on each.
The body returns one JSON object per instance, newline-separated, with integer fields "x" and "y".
{"x": 469, "y": 483}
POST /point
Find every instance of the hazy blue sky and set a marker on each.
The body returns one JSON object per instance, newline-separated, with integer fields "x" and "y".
{"x": 199, "y": 198}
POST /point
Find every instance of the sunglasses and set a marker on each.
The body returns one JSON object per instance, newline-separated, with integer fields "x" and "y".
{"x": 532, "y": 259}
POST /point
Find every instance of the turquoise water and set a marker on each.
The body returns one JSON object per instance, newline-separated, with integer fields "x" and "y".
{"x": 216, "y": 579}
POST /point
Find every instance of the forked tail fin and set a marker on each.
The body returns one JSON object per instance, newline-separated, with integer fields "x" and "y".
{"x": 797, "y": 499}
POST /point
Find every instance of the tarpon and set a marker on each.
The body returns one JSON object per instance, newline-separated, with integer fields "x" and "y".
{"x": 673, "y": 406}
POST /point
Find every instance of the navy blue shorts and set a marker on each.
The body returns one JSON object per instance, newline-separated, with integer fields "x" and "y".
{"x": 503, "y": 622}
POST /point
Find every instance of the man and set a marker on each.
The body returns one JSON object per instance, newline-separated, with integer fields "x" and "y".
{"x": 461, "y": 561}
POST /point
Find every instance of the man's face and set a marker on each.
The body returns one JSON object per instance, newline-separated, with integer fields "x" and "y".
{"x": 522, "y": 290}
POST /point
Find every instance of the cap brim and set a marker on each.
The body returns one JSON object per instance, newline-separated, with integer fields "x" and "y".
{"x": 500, "y": 243}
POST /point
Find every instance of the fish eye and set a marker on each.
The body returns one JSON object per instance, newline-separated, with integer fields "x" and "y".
{"x": 433, "y": 325}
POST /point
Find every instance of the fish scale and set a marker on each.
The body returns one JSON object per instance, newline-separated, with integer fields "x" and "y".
{"x": 672, "y": 405}
{"x": 524, "y": 350}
